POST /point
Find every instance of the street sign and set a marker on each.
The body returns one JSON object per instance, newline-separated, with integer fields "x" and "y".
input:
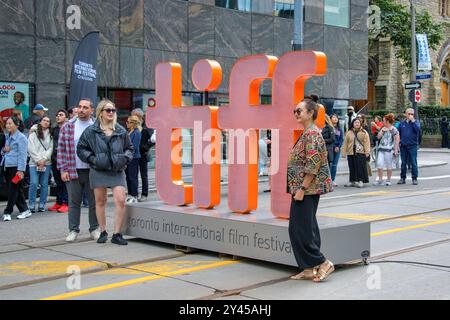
{"x": 423, "y": 76}
{"x": 417, "y": 96}
{"x": 413, "y": 85}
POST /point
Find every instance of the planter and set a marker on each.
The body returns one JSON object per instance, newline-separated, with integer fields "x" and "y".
{"x": 431, "y": 141}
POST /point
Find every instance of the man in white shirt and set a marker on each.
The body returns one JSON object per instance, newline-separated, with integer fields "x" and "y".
{"x": 75, "y": 172}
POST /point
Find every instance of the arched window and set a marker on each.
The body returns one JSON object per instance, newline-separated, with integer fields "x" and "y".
{"x": 443, "y": 8}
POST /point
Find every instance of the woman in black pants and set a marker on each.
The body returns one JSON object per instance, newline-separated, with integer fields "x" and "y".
{"x": 14, "y": 162}
{"x": 308, "y": 178}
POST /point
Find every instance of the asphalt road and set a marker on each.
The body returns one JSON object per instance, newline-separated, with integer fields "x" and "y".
{"x": 410, "y": 244}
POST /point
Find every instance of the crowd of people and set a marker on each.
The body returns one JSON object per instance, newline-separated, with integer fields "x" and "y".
{"x": 84, "y": 154}
{"x": 393, "y": 143}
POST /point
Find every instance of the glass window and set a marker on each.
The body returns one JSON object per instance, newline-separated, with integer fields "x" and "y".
{"x": 242, "y": 5}
{"x": 337, "y": 13}
{"x": 284, "y": 8}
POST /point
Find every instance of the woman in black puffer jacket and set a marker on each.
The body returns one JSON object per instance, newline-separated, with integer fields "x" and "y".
{"x": 107, "y": 148}
{"x": 329, "y": 137}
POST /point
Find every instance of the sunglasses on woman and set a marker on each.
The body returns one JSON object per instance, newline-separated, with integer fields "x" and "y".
{"x": 297, "y": 112}
{"x": 110, "y": 110}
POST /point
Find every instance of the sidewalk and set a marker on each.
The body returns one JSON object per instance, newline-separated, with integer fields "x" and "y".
{"x": 434, "y": 150}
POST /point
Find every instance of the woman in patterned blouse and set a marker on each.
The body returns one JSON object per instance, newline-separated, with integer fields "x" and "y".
{"x": 308, "y": 178}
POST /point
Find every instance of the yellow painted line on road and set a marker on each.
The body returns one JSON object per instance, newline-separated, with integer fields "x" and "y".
{"x": 418, "y": 226}
{"x": 122, "y": 284}
{"x": 45, "y": 268}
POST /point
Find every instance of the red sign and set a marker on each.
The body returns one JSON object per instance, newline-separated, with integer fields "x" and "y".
{"x": 417, "y": 95}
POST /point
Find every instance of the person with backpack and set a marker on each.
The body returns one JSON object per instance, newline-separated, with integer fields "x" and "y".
{"x": 388, "y": 149}
{"x": 144, "y": 149}
{"x": 40, "y": 149}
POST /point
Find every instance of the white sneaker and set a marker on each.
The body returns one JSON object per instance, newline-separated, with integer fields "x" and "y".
{"x": 95, "y": 234}
{"x": 378, "y": 183}
{"x": 24, "y": 215}
{"x": 142, "y": 199}
{"x": 350, "y": 184}
{"x": 6, "y": 217}
{"x": 132, "y": 200}
{"x": 72, "y": 236}
{"x": 360, "y": 184}
{"x": 387, "y": 183}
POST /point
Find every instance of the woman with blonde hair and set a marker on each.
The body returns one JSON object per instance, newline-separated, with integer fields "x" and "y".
{"x": 132, "y": 172}
{"x": 107, "y": 148}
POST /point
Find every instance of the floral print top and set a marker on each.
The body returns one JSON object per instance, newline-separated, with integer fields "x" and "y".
{"x": 309, "y": 156}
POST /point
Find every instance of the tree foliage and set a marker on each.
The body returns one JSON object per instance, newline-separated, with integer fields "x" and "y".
{"x": 396, "y": 24}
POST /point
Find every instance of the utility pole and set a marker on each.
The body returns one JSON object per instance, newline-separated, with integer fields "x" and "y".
{"x": 297, "y": 43}
{"x": 413, "y": 54}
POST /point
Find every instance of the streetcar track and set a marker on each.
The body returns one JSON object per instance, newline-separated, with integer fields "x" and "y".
{"x": 238, "y": 291}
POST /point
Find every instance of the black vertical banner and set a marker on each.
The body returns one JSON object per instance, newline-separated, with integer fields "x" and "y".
{"x": 83, "y": 82}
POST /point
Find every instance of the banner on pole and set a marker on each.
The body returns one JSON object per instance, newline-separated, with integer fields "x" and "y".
{"x": 424, "y": 53}
{"x": 83, "y": 82}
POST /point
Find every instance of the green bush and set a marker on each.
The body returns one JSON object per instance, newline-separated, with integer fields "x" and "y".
{"x": 433, "y": 111}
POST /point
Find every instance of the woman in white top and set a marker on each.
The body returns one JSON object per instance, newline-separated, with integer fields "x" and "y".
{"x": 40, "y": 148}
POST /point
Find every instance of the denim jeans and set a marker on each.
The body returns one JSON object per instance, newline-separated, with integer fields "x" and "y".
{"x": 38, "y": 178}
{"x": 132, "y": 173}
{"x": 337, "y": 155}
{"x": 409, "y": 154}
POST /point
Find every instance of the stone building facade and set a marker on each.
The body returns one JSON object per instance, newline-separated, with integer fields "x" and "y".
{"x": 37, "y": 47}
{"x": 387, "y": 75}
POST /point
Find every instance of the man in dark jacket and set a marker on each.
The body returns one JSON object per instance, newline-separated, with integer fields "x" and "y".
{"x": 444, "y": 132}
{"x": 409, "y": 130}
{"x": 62, "y": 197}
{"x": 144, "y": 149}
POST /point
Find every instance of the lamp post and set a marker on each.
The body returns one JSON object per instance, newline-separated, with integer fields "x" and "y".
{"x": 297, "y": 43}
{"x": 413, "y": 53}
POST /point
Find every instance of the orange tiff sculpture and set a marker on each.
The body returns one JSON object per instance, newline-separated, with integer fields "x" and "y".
{"x": 242, "y": 118}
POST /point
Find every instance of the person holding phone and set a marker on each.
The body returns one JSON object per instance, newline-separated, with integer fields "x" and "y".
{"x": 14, "y": 162}
{"x": 40, "y": 149}
{"x": 409, "y": 144}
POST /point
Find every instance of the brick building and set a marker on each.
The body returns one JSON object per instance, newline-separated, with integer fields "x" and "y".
{"x": 387, "y": 74}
